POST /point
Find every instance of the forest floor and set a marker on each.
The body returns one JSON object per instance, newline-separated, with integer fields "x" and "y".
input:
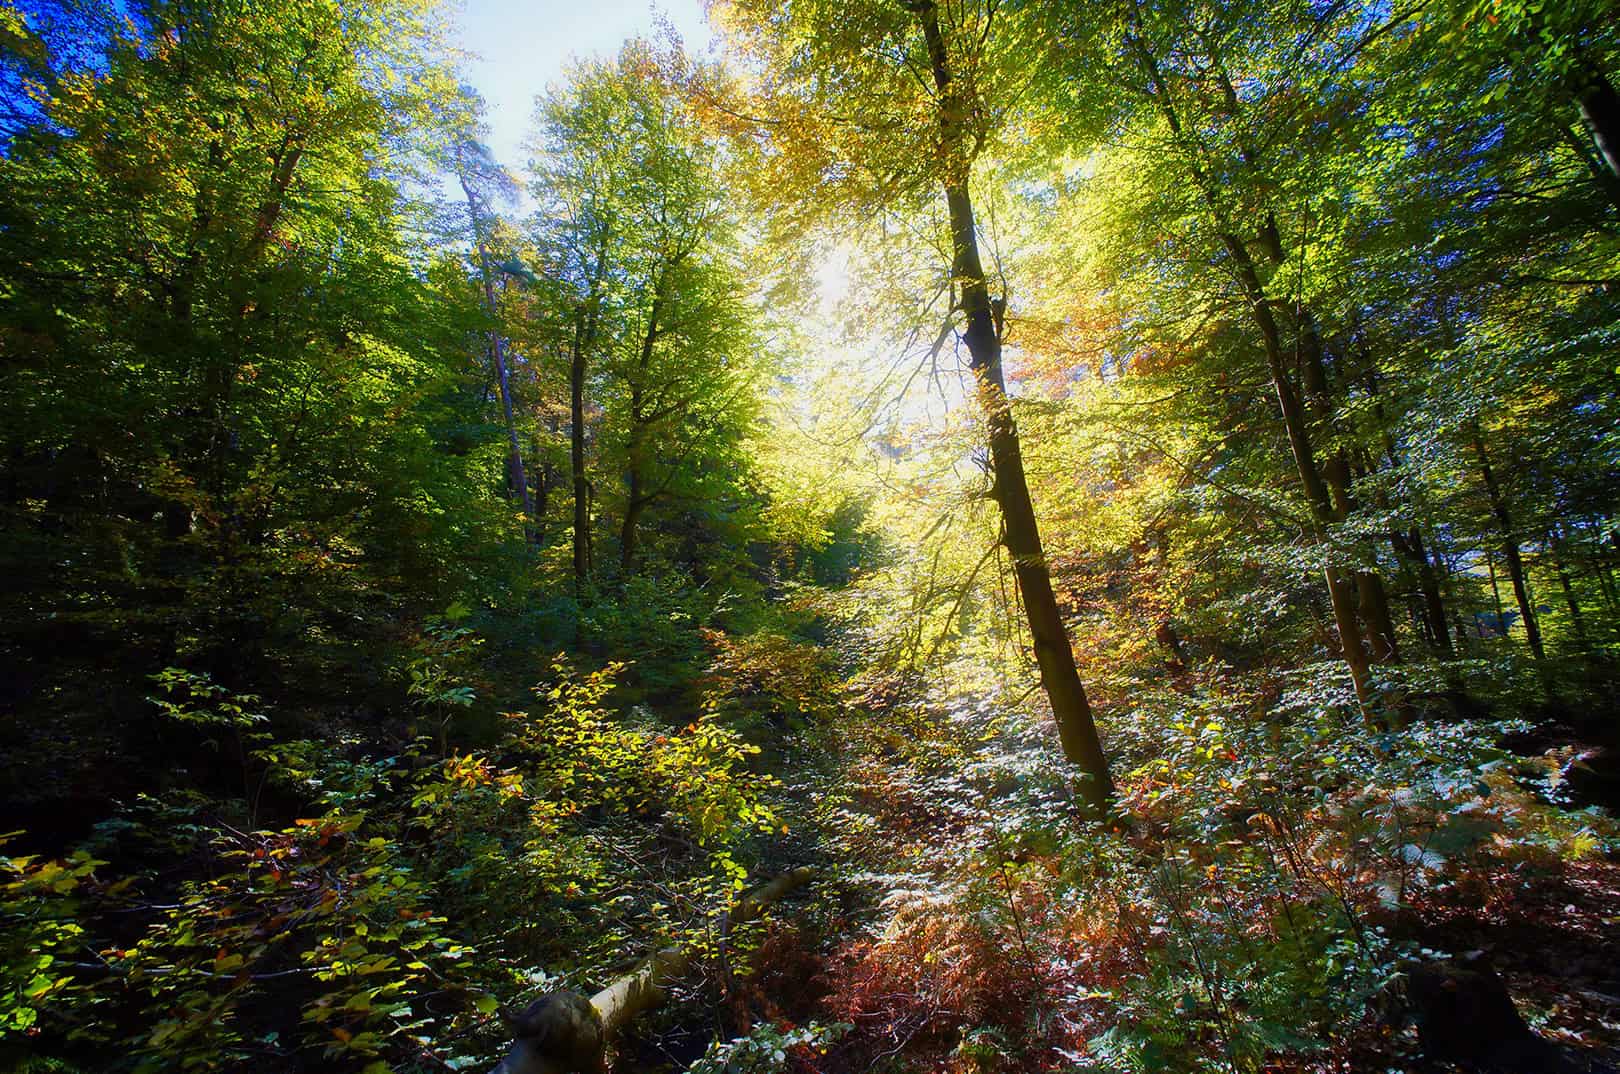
{"x": 1555, "y": 941}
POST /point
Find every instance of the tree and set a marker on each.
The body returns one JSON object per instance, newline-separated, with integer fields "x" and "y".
{"x": 481, "y": 181}
{"x": 883, "y": 103}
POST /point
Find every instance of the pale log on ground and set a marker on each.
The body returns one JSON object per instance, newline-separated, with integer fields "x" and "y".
{"x": 565, "y": 1033}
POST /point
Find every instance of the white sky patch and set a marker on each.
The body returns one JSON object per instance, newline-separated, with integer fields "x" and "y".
{"x": 520, "y": 47}
{"x": 832, "y": 277}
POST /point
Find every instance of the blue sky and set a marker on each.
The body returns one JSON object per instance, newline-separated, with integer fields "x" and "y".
{"x": 523, "y": 46}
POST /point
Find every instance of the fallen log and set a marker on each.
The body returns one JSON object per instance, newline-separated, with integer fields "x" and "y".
{"x": 566, "y": 1033}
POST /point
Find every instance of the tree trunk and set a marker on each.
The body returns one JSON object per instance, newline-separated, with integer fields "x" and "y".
{"x": 1510, "y": 547}
{"x": 544, "y": 476}
{"x": 1496, "y": 593}
{"x": 585, "y": 320}
{"x": 1372, "y": 602}
{"x": 1341, "y": 588}
{"x": 1077, "y": 728}
{"x": 1371, "y": 599}
{"x": 1411, "y": 546}
{"x": 517, "y": 482}
{"x": 1575, "y": 618}
{"x": 1295, "y": 422}
{"x": 637, "y": 499}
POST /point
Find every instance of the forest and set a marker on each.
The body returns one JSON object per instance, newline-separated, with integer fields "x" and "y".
{"x": 960, "y": 536}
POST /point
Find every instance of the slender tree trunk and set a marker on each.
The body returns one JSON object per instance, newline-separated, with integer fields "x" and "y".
{"x": 1341, "y": 590}
{"x": 1575, "y": 618}
{"x": 1510, "y": 547}
{"x": 576, "y": 462}
{"x": 637, "y": 499}
{"x": 1341, "y": 586}
{"x": 517, "y": 482}
{"x": 1454, "y": 603}
{"x": 628, "y": 539}
{"x": 544, "y": 476}
{"x": 1371, "y": 599}
{"x": 585, "y": 321}
{"x": 1496, "y": 593}
{"x": 1077, "y": 728}
{"x": 1429, "y": 584}
{"x": 1372, "y": 602}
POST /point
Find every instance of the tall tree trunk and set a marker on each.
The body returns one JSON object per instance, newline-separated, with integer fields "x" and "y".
{"x": 576, "y": 462}
{"x": 1371, "y": 599}
{"x": 585, "y": 322}
{"x": 637, "y": 498}
{"x": 628, "y": 534}
{"x": 544, "y": 477}
{"x": 1575, "y": 618}
{"x": 1429, "y": 584}
{"x": 1372, "y": 602}
{"x": 1341, "y": 591}
{"x": 1077, "y": 728}
{"x": 1510, "y": 547}
{"x": 1496, "y": 593}
{"x": 517, "y": 482}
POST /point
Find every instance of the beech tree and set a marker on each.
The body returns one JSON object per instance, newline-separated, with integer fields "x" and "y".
{"x": 882, "y": 104}
{"x": 483, "y": 182}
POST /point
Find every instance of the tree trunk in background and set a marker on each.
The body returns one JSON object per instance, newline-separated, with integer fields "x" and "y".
{"x": 1341, "y": 592}
{"x": 576, "y": 462}
{"x": 585, "y": 321}
{"x": 1371, "y": 599}
{"x": 1077, "y": 728}
{"x": 636, "y": 498}
{"x": 544, "y": 476}
{"x": 1576, "y": 621}
{"x": 1510, "y": 547}
{"x": 1372, "y": 602}
{"x": 1496, "y": 592}
{"x": 1429, "y": 584}
{"x": 516, "y": 480}
{"x": 1341, "y": 587}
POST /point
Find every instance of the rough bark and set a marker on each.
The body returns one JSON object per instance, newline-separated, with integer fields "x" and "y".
{"x": 1077, "y": 728}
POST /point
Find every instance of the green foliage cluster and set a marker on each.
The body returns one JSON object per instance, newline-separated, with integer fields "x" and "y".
{"x": 286, "y": 531}
{"x": 420, "y": 891}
